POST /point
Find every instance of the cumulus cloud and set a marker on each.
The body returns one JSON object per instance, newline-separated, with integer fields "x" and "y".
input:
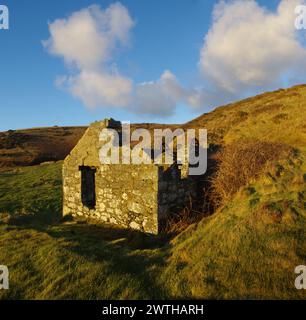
{"x": 98, "y": 89}
{"x": 162, "y": 96}
{"x": 248, "y": 49}
{"x": 86, "y": 41}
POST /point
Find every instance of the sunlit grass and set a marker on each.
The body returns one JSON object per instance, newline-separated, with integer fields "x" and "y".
{"x": 243, "y": 251}
{"x": 247, "y": 249}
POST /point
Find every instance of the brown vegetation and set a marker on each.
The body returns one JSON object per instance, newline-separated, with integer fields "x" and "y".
{"x": 240, "y": 162}
{"x": 182, "y": 218}
{"x": 33, "y": 146}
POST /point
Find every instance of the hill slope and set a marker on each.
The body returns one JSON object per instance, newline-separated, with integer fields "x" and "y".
{"x": 33, "y": 146}
{"x": 273, "y": 116}
{"x": 248, "y": 248}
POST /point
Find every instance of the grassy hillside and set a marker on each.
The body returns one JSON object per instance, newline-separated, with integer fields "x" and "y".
{"x": 60, "y": 260}
{"x": 248, "y": 248}
{"x": 33, "y": 190}
{"x": 273, "y": 116}
{"x": 33, "y": 146}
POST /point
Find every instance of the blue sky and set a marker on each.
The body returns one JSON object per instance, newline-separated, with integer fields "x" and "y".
{"x": 167, "y": 35}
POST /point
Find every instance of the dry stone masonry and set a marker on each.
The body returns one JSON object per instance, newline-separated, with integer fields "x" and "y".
{"x": 136, "y": 196}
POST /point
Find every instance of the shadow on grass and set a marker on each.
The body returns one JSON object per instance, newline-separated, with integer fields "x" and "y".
{"x": 127, "y": 254}
{"x": 38, "y": 220}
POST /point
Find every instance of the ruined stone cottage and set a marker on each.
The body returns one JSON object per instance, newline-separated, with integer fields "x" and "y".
{"x": 137, "y": 196}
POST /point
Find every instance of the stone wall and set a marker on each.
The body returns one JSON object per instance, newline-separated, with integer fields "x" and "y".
{"x": 132, "y": 196}
{"x": 175, "y": 188}
{"x": 125, "y": 195}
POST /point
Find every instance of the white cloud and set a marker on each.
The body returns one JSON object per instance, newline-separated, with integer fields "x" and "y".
{"x": 86, "y": 40}
{"x": 250, "y": 49}
{"x": 100, "y": 89}
{"x": 247, "y": 49}
{"x": 88, "y": 37}
{"x": 162, "y": 96}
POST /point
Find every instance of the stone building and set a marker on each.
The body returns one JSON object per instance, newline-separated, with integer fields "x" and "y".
{"x": 137, "y": 196}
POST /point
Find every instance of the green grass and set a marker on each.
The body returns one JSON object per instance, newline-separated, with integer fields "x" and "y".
{"x": 32, "y": 190}
{"x": 249, "y": 248}
{"x": 79, "y": 262}
{"x": 278, "y": 116}
{"x": 52, "y": 259}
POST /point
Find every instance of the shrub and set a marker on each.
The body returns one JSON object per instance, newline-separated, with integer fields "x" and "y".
{"x": 179, "y": 220}
{"x": 280, "y": 117}
{"x": 240, "y": 162}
